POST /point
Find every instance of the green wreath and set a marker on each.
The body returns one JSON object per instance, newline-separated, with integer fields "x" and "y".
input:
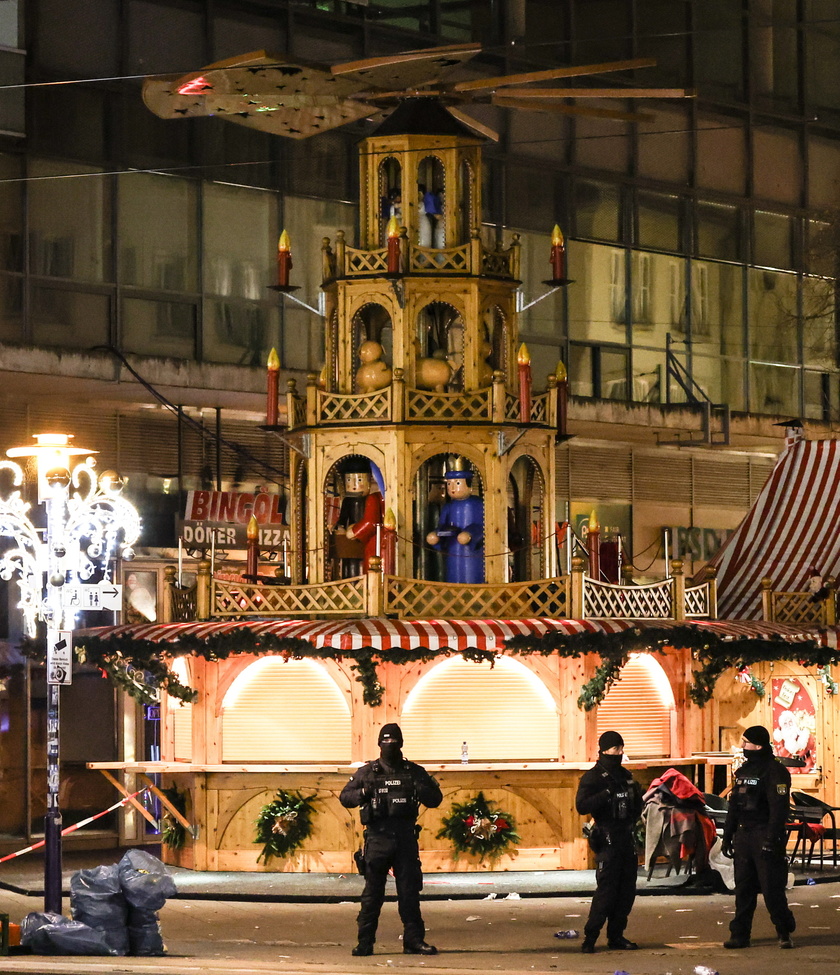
{"x": 174, "y": 834}
{"x": 284, "y": 824}
{"x": 477, "y": 827}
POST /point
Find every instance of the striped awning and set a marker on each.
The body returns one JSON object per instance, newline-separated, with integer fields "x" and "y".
{"x": 455, "y": 635}
{"x": 793, "y": 525}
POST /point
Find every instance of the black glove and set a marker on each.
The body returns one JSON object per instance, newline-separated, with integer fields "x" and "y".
{"x": 726, "y": 849}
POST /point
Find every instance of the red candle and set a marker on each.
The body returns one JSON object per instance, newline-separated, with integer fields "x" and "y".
{"x": 272, "y": 387}
{"x": 284, "y": 260}
{"x": 252, "y": 557}
{"x": 523, "y": 360}
{"x": 558, "y": 255}
{"x": 393, "y": 246}
{"x": 562, "y": 397}
{"x": 593, "y": 547}
{"x": 389, "y": 543}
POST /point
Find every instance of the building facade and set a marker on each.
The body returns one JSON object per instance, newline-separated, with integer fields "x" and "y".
{"x": 702, "y": 239}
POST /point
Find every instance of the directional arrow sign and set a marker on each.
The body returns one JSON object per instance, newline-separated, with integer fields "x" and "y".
{"x": 60, "y": 657}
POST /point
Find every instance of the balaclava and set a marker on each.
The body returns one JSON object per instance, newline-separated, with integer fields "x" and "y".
{"x": 610, "y": 739}
{"x": 758, "y": 735}
{"x": 390, "y": 743}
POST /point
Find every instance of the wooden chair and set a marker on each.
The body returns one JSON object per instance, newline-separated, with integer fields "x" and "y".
{"x": 811, "y": 811}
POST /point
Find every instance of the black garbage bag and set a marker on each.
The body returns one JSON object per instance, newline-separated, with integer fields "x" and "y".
{"x": 54, "y": 934}
{"x": 144, "y": 934}
{"x": 96, "y": 899}
{"x": 145, "y": 881}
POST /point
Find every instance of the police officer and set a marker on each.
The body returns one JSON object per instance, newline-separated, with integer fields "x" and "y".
{"x": 754, "y": 835}
{"x": 608, "y": 793}
{"x": 389, "y": 791}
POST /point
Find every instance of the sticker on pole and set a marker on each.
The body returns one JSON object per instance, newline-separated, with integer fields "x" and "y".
{"x": 60, "y": 657}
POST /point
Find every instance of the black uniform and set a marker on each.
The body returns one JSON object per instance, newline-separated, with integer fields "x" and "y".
{"x": 759, "y": 807}
{"x": 608, "y": 793}
{"x": 390, "y": 798}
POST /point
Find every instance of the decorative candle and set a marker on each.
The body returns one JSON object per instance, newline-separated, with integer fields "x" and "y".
{"x": 593, "y": 547}
{"x": 524, "y": 361}
{"x": 393, "y": 246}
{"x": 389, "y": 543}
{"x": 284, "y": 260}
{"x": 562, "y": 397}
{"x": 272, "y": 384}
{"x": 252, "y": 557}
{"x": 558, "y": 255}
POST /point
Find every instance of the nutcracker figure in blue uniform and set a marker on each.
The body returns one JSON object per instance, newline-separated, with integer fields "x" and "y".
{"x": 460, "y": 531}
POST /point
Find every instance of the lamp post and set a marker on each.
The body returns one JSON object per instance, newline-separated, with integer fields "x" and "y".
{"x": 62, "y": 570}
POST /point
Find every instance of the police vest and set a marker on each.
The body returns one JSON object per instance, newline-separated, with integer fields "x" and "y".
{"x": 394, "y": 794}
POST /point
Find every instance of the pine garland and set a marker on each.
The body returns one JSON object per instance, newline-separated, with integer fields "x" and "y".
{"x": 141, "y": 667}
{"x": 477, "y": 828}
{"x": 284, "y": 824}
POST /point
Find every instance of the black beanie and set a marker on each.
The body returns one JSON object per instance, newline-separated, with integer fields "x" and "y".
{"x": 391, "y": 731}
{"x": 758, "y": 735}
{"x": 610, "y": 739}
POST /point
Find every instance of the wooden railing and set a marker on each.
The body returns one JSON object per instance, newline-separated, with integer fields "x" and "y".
{"x": 799, "y": 607}
{"x": 574, "y": 596}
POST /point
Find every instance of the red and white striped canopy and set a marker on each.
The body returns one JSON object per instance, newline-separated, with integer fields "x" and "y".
{"x": 456, "y": 635}
{"x": 793, "y": 525}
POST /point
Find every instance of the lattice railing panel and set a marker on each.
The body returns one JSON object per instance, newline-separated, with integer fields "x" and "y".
{"x": 797, "y": 607}
{"x": 448, "y": 259}
{"x": 604, "y": 600}
{"x": 354, "y": 407}
{"x": 496, "y": 263}
{"x": 183, "y": 604}
{"x": 539, "y": 408}
{"x": 697, "y": 600}
{"x": 511, "y": 408}
{"x": 298, "y": 417}
{"x": 365, "y": 262}
{"x": 345, "y": 597}
{"x": 449, "y": 406}
{"x": 417, "y": 599}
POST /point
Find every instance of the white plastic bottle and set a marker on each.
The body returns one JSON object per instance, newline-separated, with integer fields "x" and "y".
{"x": 465, "y": 754}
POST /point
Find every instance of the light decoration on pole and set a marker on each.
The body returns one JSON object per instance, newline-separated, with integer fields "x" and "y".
{"x": 61, "y": 570}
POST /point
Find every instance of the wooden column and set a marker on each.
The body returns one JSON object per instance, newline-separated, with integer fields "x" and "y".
{"x": 677, "y": 590}
{"x": 767, "y": 598}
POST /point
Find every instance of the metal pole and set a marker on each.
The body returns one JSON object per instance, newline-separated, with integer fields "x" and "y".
{"x": 52, "y": 820}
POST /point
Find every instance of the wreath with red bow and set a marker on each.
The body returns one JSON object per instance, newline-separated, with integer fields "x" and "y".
{"x": 479, "y": 828}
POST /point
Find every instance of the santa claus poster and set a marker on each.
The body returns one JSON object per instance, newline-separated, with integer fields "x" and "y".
{"x": 794, "y": 723}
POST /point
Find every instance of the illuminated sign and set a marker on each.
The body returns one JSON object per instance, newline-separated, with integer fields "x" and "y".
{"x": 221, "y": 518}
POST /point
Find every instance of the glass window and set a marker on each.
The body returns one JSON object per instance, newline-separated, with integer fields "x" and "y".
{"x": 597, "y": 299}
{"x": 11, "y": 308}
{"x": 240, "y": 246}
{"x": 10, "y": 23}
{"x": 819, "y": 323}
{"x": 69, "y": 221}
{"x": 648, "y": 377}
{"x": 11, "y": 213}
{"x": 716, "y": 308}
{"x": 718, "y": 48}
{"x": 158, "y": 234}
{"x": 658, "y": 218}
{"x": 544, "y": 359}
{"x": 774, "y": 390}
{"x": 597, "y": 210}
{"x": 97, "y": 21}
{"x": 721, "y": 379}
{"x": 721, "y": 153}
{"x": 580, "y": 370}
{"x": 603, "y": 30}
{"x": 823, "y": 167}
{"x": 69, "y": 319}
{"x": 774, "y": 61}
{"x": 664, "y": 145}
{"x": 603, "y": 143}
{"x": 546, "y": 318}
{"x": 773, "y": 318}
{"x": 159, "y": 328}
{"x": 531, "y": 199}
{"x": 773, "y": 239}
{"x": 232, "y": 35}
{"x": 818, "y": 400}
{"x": 822, "y": 45}
{"x": 320, "y": 166}
{"x": 658, "y": 304}
{"x": 718, "y": 231}
{"x": 663, "y": 33}
{"x": 165, "y": 37}
{"x": 466, "y": 21}
{"x": 777, "y": 167}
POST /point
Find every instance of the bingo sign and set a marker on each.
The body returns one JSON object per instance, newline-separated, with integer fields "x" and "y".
{"x": 220, "y": 519}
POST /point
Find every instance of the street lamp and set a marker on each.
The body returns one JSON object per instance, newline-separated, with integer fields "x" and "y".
{"x": 60, "y": 575}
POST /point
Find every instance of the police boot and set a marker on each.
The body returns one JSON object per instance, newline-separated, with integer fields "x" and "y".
{"x": 362, "y": 948}
{"x": 419, "y": 948}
